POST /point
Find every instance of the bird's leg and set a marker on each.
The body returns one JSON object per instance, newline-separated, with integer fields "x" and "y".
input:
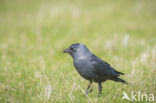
{"x": 87, "y": 90}
{"x": 100, "y": 89}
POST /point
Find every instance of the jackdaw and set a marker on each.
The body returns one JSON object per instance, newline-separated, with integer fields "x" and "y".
{"x": 92, "y": 68}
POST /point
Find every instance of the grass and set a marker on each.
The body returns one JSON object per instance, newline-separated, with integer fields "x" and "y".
{"x": 33, "y": 33}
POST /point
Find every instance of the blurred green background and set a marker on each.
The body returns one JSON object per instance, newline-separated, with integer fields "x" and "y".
{"x": 33, "y": 34}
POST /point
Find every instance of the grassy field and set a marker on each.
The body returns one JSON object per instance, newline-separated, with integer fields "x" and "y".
{"x": 33, "y": 34}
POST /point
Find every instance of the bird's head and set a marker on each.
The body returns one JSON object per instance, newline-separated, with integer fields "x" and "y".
{"x": 77, "y": 49}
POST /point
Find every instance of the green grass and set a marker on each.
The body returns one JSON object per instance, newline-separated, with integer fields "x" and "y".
{"x": 33, "y": 34}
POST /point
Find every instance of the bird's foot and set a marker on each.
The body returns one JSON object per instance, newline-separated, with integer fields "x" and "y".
{"x": 99, "y": 94}
{"x": 90, "y": 90}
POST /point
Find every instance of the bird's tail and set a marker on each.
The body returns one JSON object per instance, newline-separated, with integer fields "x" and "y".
{"x": 119, "y": 80}
{"x": 119, "y": 72}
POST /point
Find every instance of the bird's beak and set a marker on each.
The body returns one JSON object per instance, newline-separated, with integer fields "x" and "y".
{"x": 66, "y": 50}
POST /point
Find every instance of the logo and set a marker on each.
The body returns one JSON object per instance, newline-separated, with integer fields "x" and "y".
{"x": 138, "y": 96}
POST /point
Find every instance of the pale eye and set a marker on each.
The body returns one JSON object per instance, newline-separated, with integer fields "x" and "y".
{"x": 73, "y": 49}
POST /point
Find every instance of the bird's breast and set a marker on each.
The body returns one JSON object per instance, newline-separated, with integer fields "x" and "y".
{"x": 84, "y": 68}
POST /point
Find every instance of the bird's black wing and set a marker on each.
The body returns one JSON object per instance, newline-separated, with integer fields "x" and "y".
{"x": 102, "y": 68}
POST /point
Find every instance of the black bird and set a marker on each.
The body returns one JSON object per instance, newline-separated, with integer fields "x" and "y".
{"x": 92, "y": 68}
